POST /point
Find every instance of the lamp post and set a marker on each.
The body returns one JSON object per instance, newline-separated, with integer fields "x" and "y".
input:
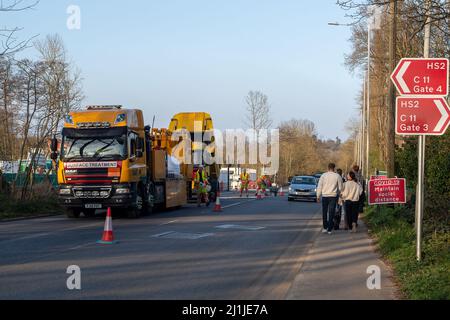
{"x": 366, "y": 109}
{"x": 365, "y": 117}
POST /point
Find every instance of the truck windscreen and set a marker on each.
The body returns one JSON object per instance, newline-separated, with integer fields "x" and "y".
{"x": 95, "y": 148}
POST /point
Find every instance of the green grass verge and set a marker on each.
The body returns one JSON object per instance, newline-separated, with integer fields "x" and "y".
{"x": 427, "y": 280}
{"x": 10, "y": 209}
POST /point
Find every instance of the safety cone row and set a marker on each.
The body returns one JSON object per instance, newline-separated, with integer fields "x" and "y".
{"x": 218, "y": 206}
{"x": 108, "y": 235}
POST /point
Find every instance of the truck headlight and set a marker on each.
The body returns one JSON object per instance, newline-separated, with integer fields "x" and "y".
{"x": 122, "y": 191}
{"x": 104, "y": 194}
{"x": 65, "y": 192}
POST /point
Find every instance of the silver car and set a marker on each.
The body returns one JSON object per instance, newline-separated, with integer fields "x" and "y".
{"x": 303, "y": 188}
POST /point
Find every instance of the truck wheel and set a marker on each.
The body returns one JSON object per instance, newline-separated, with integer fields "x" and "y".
{"x": 137, "y": 209}
{"x": 148, "y": 206}
{"x": 73, "y": 213}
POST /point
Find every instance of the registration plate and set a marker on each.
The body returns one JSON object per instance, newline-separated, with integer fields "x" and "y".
{"x": 93, "y": 206}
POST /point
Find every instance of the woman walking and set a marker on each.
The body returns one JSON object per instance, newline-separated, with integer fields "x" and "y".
{"x": 351, "y": 195}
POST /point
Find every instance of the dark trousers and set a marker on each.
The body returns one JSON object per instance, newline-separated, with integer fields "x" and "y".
{"x": 328, "y": 212}
{"x": 351, "y": 212}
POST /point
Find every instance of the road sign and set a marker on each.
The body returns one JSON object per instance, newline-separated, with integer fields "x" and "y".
{"x": 422, "y": 116}
{"x": 385, "y": 191}
{"x": 422, "y": 77}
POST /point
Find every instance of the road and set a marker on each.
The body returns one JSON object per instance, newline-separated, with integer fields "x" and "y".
{"x": 251, "y": 250}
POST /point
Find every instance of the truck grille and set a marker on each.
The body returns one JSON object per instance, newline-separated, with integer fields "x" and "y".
{"x": 92, "y": 193}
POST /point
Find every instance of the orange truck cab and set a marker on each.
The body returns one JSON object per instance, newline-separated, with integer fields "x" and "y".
{"x": 109, "y": 159}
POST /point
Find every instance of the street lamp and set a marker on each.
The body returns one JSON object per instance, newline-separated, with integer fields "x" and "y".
{"x": 366, "y": 108}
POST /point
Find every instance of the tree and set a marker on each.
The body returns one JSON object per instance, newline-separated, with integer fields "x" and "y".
{"x": 258, "y": 114}
{"x": 258, "y": 111}
{"x": 10, "y": 44}
{"x": 35, "y": 97}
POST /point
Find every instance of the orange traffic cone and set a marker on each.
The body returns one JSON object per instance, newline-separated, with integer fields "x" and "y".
{"x": 108, "y": 236}
{"x": 218, "y": 206}
{"x": 259, "y": 196}
{"x": 281, "y": 192}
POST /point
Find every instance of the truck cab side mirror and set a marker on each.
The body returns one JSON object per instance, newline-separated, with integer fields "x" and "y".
{"x": 54, "y": 145}
{"x": 54, "y": 148}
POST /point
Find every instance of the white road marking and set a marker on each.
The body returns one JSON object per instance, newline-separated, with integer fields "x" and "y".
{"x": 239, "y": 227}
{"x": 40, "y": 235}
{"x": 182, "y": 235}
{"x": 237, "y": 204}
{"x": 167, "y": 223}
{"x": 159, "y": 235}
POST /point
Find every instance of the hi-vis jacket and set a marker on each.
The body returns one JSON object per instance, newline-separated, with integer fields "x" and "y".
{"x": 245, "y": 177}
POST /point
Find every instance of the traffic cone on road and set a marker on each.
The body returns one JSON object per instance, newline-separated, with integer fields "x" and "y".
{"x": 108, "y": 236}
{"x": 259, "y": 196}
{"x": 281, "y": 192}
{"x": 218, "y": 206}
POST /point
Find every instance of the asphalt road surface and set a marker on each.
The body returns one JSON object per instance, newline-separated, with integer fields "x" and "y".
{"x": 251, "y": 250}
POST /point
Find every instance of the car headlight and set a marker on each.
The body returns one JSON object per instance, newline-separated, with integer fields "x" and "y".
{"x": 65, "y": 191}
{"x": 122, "y": 191}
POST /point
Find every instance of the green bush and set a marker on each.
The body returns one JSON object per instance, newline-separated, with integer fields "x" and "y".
{"x": 429, "y": 279}
{"x": 437, "y": 178}
{"x": 12, "y": 208}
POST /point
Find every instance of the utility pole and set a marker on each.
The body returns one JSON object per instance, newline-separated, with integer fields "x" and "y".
{"x": 368, "y": 103}
{"x": 420, "y": 198}
{"x": 390, "y": 154}
{"x": 363, "y": 129}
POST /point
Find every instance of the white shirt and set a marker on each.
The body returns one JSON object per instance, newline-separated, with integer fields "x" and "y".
{"x": 330, "y": 184}
{"x": 352, "y": 191}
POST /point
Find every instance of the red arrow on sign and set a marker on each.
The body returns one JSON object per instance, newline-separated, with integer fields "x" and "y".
{"x": 422, "y": 77}
{"x": 422, "y": 116}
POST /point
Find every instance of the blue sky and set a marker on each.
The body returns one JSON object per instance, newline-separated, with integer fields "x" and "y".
{"x": 205, "y": 55}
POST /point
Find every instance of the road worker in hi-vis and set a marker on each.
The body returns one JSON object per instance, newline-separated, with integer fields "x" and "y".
{"x": 245, "y": 181}
{"x": 201, "y": 186}
{"x": 260, "y": 185}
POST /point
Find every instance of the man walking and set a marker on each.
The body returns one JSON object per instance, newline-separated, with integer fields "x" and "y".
{"x": 362, "y": 199}
{"x": 330, "y": 185}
